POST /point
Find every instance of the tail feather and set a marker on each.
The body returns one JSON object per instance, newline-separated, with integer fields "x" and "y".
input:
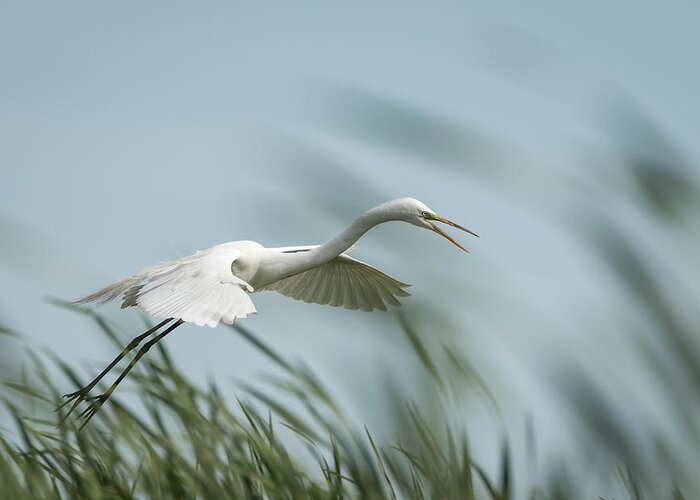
{"x": 131, "y": 285}
{"x": 110, "y": 292}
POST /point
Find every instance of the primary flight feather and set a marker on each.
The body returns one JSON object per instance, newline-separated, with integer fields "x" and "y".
{"x": 215, "y": 284}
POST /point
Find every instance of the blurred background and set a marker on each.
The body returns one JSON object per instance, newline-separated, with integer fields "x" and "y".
{"x": 132, "y": 133}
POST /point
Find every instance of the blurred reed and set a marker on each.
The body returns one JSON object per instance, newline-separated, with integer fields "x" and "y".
{"x": 629, "y": 211}
{"x": 188, "y": 442}
{"x": 643, "y": 194}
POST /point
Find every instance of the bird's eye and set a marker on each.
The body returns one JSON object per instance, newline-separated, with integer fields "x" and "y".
{"x": 426, "y": 215}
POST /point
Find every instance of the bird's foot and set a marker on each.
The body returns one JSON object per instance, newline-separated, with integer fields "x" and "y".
{"x": 72, "y": 395}
{"x": 94, "y": 404}
{"x": 74, "y": 399}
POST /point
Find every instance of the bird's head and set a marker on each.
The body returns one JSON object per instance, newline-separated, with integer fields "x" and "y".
{"x": 419, "y": 214}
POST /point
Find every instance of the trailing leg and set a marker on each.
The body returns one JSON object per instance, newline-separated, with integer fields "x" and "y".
{"x": 96, "y": 402}
{"x": 81, "y": 394}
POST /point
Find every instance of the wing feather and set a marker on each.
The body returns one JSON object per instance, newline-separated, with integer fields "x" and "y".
{"x": 198, "y": 289}
{"x": 373, "y": 296}
{"x": 336, "y": 299}
{"x": 324, "y": 285}
{"x": 343, "y": 281}
{"x": 385, "y": 290}
{"x": 360, "y": 292}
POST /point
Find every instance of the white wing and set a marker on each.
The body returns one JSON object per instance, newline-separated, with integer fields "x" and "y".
{"x": 199, "y": 289}
{"x": 343, "y": 281}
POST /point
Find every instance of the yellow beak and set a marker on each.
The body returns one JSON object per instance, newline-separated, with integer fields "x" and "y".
{"x": 447, "y": 236}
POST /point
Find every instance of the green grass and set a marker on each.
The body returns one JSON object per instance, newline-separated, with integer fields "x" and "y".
{"x": 189, "y": 442}
{"x": 284, "y": 437}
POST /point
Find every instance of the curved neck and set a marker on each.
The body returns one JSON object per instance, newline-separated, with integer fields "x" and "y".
{"x": 292, "y": 263}
{"x": 334, "y": 247}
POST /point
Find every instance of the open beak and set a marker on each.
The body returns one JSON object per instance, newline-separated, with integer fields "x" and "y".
{"x": 445, "y": 235}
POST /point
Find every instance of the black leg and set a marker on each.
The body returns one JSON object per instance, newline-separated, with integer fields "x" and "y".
{"x": 96, "y": 402}
{"x": 81, "y": 394}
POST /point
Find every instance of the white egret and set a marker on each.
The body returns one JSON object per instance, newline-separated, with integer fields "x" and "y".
{"x": 215, "y": 284}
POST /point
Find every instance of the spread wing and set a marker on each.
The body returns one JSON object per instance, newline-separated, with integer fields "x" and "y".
{"x": 199, "y": 289}
{"x": 343, "y": 281}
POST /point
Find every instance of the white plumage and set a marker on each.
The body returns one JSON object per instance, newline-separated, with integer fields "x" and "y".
{"x": 215, "y": 284}
{"x": 203, "y": 289}
{"x": 343, "y": 281}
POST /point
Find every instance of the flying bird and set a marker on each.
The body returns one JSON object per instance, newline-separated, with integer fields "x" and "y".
{"x": 215, "y": 284}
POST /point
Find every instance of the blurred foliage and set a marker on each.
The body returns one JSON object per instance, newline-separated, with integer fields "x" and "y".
{"x": 390, "y": 123}
{"x": 187, "y": 442}
{"x": 646, "y": 182}
{"x": 665, "y": 179}
{"x": 191, "y": 443}
{"x": 9, "y": 352}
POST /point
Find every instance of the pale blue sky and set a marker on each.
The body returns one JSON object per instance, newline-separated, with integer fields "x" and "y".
{"x": 133, "y": 132}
